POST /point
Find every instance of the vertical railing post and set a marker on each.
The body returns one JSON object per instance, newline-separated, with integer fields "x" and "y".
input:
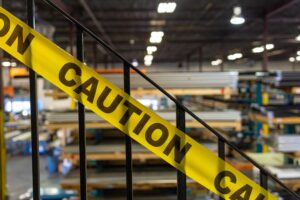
{"x": 181, "y": 177}
{"x": 81, "y": 120}
{"x": 34, "y": 113}
{"x": 128, "y": 141}
{"x": 263, "y": 180}
{"x": 221, "y": 153}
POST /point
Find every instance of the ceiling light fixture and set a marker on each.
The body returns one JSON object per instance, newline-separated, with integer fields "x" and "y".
{"x": 298, "y": 53}
{"x": 257, "y": 49}
{"x": 261, "y": 49}
{"x": 156, "y": 36}
{"x": 216, "y": 62}
{"x": 298, "y": 38}
{"x": 166, "y": 7}
{"x": 292, "y": 59}
{"x": 151, "y": 49}
{"x": 237, "y": 17}
{"x": 135, "y": 63}
{"x": 270, "y": 46}
{"x": 148, "y": 63}
{"x": 235, "y": 56}
{"x": 148, "y": 60}
{"x": 298, "y": 58}
{"x": 13, "y": 64}
{"x": 6, "y": 64}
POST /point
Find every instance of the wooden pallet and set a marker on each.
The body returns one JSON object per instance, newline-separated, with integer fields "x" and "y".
{"x": 115, "y": 152}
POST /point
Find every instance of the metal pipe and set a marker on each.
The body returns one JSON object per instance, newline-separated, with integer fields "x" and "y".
{"x": 81, "y": 120}
{"x": 34, "y": 113}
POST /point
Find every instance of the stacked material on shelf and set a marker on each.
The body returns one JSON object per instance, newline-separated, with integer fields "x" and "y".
{"x": 183, "y": 80}
{"x": 279, "y": 114}
{"x": 287, "y": 143}
{"x": 229, "y": 115}
{"x": 179, "y": 80}
{"x": 116, "y": 152}
{"x": 284, "y": 79}
{"x": 254, "y": 75}
{"x": 277, "y": 111}
{"x": 142, "y": 180}
{"x": 285, "y": 172}
{"x": 18, "y": 142}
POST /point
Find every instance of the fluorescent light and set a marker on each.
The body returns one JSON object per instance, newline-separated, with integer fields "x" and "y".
{"x": 156, "y": 36}
{"x": 135, "y": 63}
{"x": 238, "y": 55}
{"x": 216, "y": 62}
{"x": 235, "y": 56}
{"x": 237, "y": 20}
{"x": 148, "y": 58}
{"x": 298, "y": 38}
{"x": 298, "y": 53}
{"x": 5, "y": 64}
{"x": 237, "y": 17}
{"x": 269, "y": 46}
{"x": 298, "y": 58}
{"x": 13, "y": 64}
{"x": 231, "y": 57}
{"x": 155, "y": 40}
{"x": 151, "y": 49}
{"x": 166, "y": 7}
{"x": 258, "y": 49}
{"x": 292, "y": 59}
{"x": 148, "y": 63}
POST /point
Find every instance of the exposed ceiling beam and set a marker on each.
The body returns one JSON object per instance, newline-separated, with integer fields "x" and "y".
{"x": 276, "y": 9}
{"x": 96, "y": 22}
{"x": 281, "y": 7}
{"x": 63, "y": 6}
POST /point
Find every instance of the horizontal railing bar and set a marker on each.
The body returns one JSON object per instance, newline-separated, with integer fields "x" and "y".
{"x": 216, "y": 133}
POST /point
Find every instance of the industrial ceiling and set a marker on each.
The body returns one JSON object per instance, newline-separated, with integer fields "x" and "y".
{"x": 196, "y": 30}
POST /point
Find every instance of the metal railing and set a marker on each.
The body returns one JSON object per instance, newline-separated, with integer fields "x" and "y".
{"x": 181, "y": 110}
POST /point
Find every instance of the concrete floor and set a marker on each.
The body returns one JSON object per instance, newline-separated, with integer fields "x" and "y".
{"x": 19, "y": 175}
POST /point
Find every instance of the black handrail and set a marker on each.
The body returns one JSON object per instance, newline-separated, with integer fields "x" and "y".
{"x": 178, "y": 104}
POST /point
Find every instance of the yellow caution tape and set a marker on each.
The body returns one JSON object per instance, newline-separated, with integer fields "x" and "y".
{"x": 124, "y": 112}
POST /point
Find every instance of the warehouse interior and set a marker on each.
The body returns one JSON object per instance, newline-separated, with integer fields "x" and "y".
{"x": 220, "y": 80}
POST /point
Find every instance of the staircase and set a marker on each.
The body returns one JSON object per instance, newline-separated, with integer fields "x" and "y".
{"x": 226, "y": 189}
